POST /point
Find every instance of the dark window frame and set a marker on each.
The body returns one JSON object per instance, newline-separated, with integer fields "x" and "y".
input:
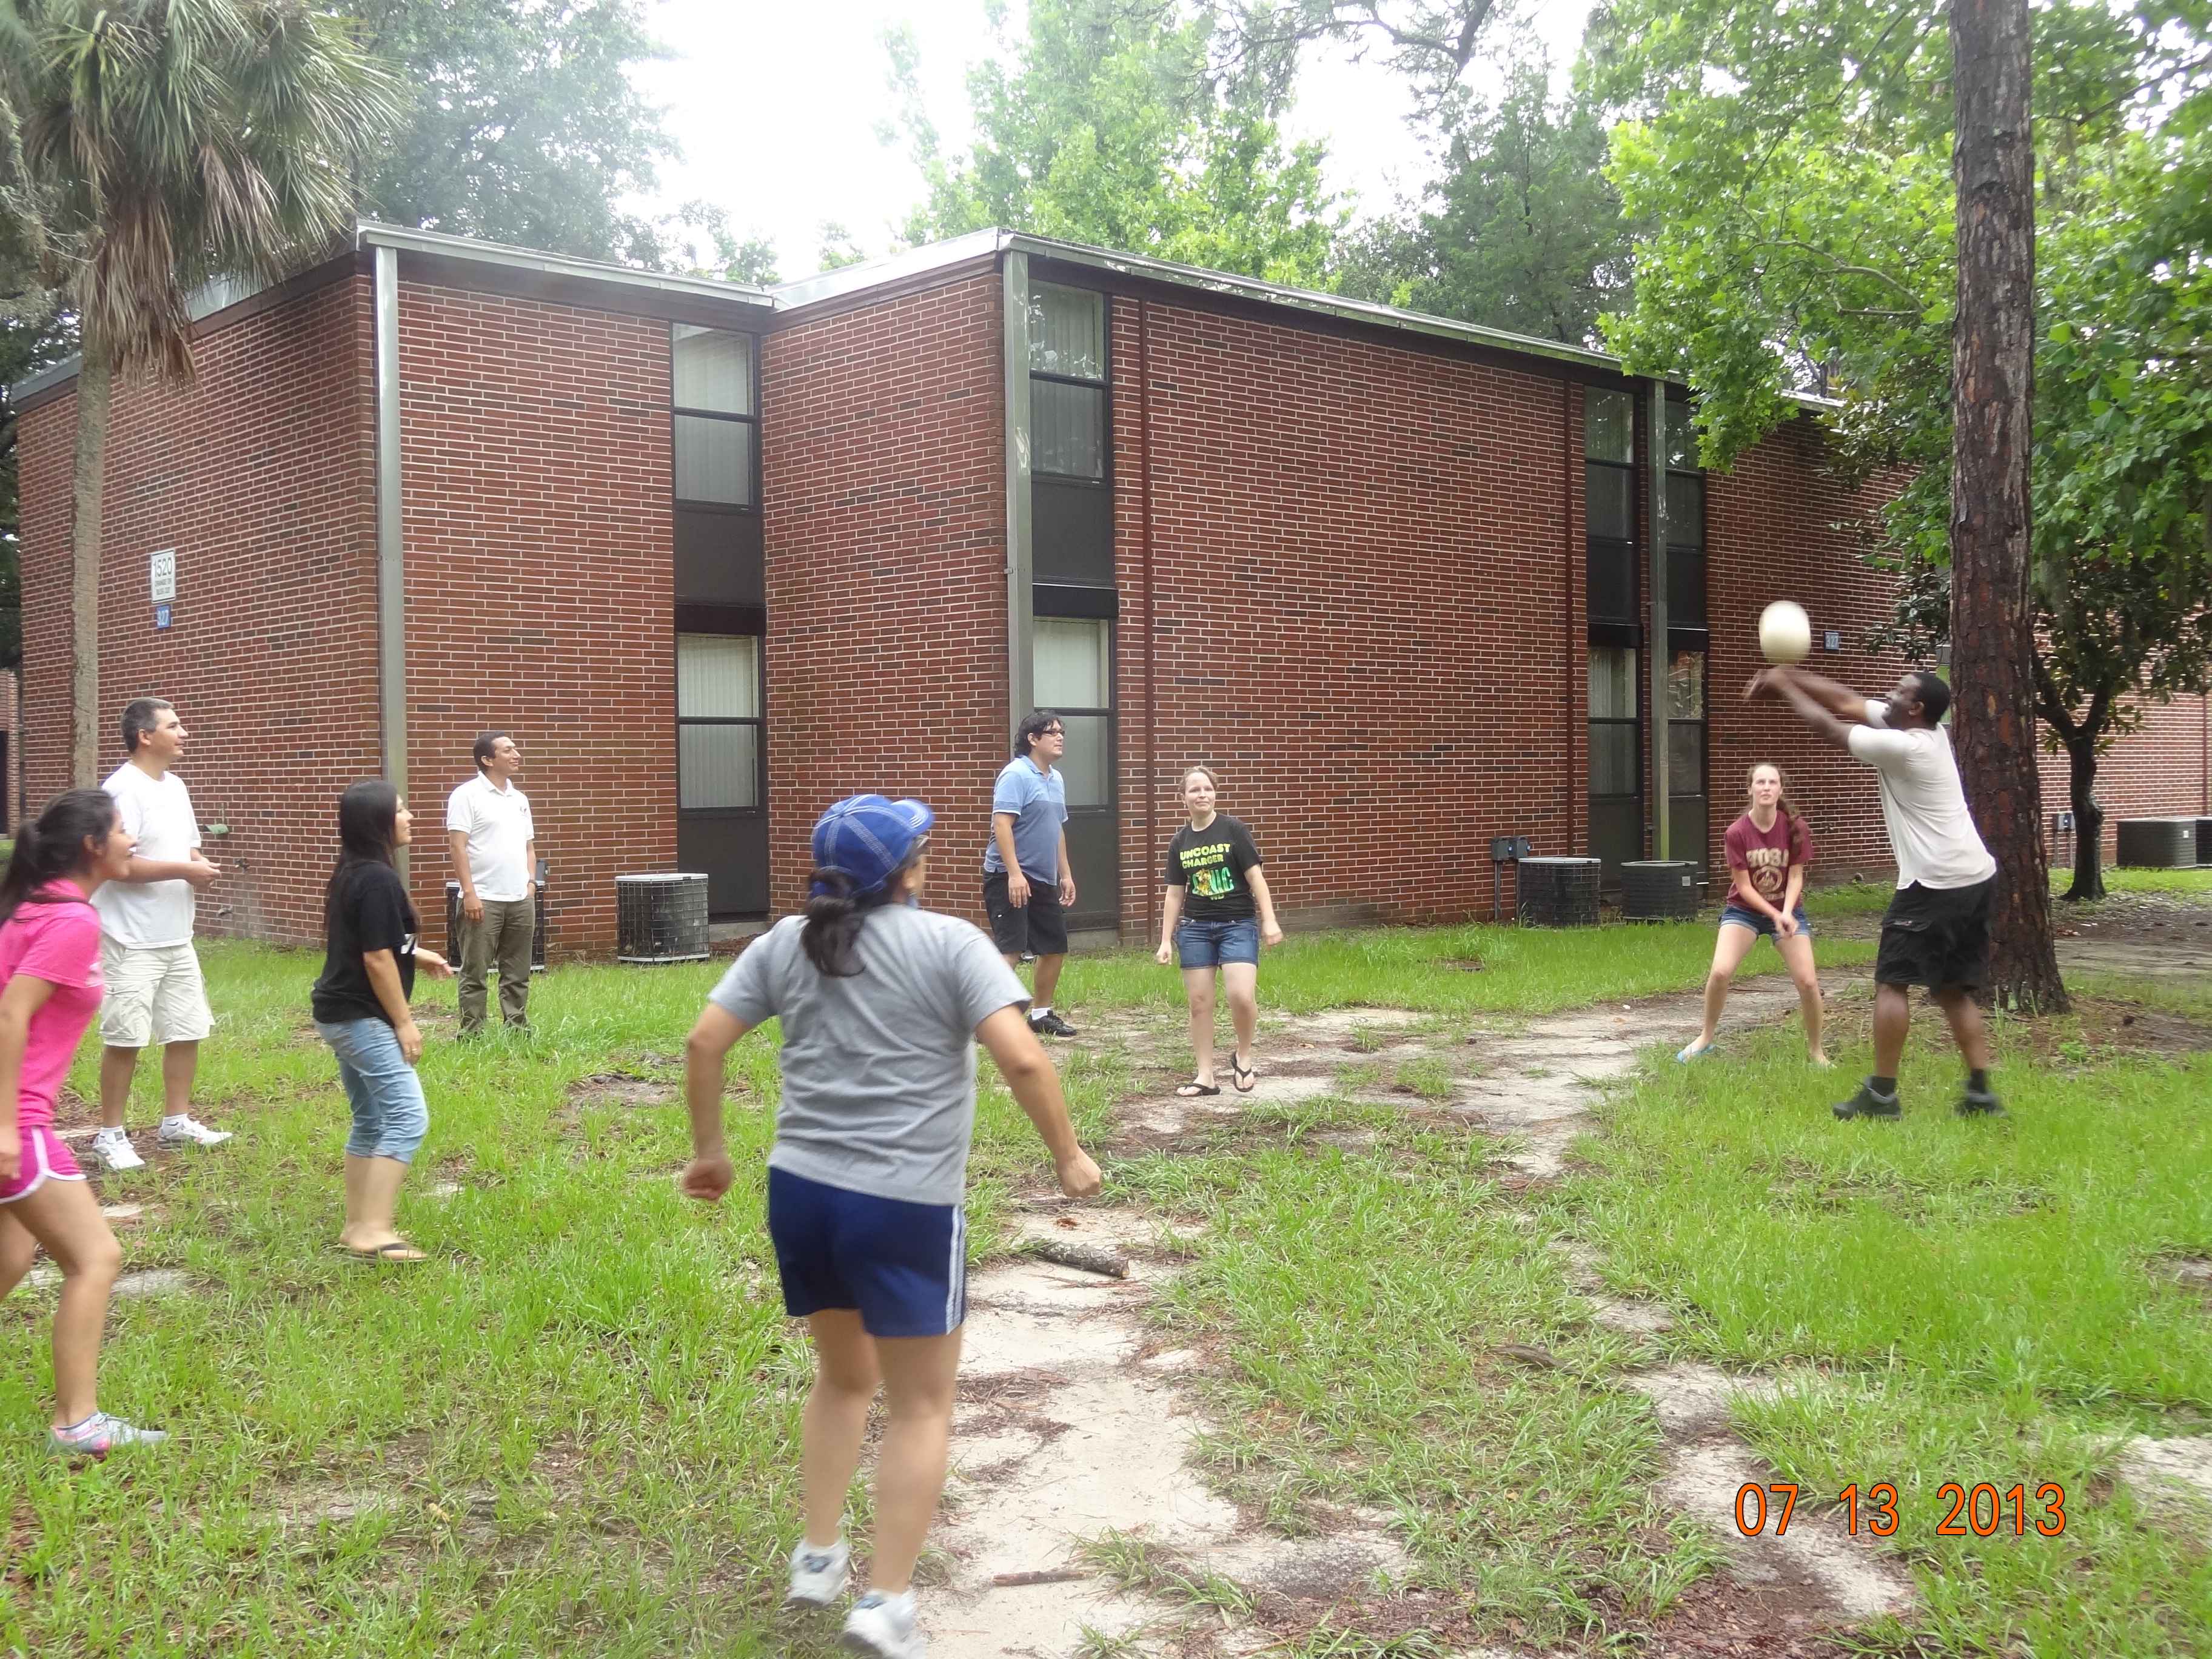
{"x": 1112, "y": 713}
{"x": 1698, "y": 644}
{"x": 759, "y": 721}
{"x": 1103, "y": 385}
{"x": 752, "y": 508}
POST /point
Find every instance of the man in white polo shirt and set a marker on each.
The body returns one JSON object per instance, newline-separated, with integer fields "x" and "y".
{"x": 495, "y": 851}
{"x": 154, "y": 992}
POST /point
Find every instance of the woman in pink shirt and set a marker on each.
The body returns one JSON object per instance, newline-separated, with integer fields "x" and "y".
{"x": 49, "y": 989}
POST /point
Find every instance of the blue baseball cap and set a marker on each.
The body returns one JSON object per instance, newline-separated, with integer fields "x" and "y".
{"x": 865, "y": 837}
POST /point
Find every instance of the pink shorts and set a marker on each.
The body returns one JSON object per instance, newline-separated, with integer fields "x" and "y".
{"x": 45, "y": 1159}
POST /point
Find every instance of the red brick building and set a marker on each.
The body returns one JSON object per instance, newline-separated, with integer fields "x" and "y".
{"x": 717, "y": 555}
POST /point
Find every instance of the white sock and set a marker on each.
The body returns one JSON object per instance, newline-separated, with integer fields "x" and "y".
{"x": 176, "y": 1122}
{"x": 111, "y": 1132}
{"x": 899, "y": 1605}
{"x": 1039, "y": 1009}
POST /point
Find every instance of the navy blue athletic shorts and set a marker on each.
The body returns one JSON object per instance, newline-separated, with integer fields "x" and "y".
{"x": 904, "y": 1266}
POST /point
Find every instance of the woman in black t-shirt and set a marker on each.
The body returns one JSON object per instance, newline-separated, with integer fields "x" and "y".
{"x": 362, "y": 1011}
{"x": 1217, "y": 909}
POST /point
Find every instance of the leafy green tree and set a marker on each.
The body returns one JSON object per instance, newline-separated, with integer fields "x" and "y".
{"x": 1794, "y": 168}
{"x": 1524, "y": 231}
{"x": 523, "y": 126}
{"x": 726, "y": 255}
{"x": 1111, "y": 126}
{"x": 167, "y": 145}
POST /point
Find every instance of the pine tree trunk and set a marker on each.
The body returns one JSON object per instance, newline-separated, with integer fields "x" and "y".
{"x": 1992, "y": 616}
{"x": 2088, "y": 820}
{"x": 94, "y": 382}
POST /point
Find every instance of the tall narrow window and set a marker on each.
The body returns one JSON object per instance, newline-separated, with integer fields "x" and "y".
{"x": 1609, "y": 504}
{"x": 717, "y": 434}
{"x": 718, "y": 721}
{"x": 1616, "y": 750}
{"x": 1067, "y": 382}
{"x": 1073, "y": 669}
{"x": 1685, "y": 521}
{"x": 1686, "y": 823}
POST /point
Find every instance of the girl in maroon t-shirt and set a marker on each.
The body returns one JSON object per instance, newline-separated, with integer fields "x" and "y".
{"x": 1769, "y": 850}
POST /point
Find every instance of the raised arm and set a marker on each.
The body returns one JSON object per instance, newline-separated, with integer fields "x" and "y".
{"x": 1830, "y": 708}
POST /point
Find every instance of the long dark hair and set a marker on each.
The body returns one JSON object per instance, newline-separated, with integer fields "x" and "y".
{"x": 834, "y": 917}
{"x": 369, "y": 828}
{"x": 53, "y": 847}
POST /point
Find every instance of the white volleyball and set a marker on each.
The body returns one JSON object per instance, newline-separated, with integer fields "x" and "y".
{"x": 1785, "y": 632}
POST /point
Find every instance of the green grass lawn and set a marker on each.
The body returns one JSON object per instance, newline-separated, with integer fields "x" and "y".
{"x": 572, "y": 1432}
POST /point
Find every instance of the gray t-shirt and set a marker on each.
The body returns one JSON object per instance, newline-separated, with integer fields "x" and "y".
{"x": 879, "y": 1069}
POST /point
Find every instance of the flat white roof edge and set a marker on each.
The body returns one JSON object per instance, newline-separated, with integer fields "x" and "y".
{"x": 369, "y": 232}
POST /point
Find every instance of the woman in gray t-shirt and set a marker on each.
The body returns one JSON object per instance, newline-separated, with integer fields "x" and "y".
{"x": 882, "y": 1004}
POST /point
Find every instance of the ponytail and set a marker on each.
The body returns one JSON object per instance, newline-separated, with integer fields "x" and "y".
{"x": 53, "y": 847}
{"x": 1792, "y": 820}
{"x": 836, "y": 915}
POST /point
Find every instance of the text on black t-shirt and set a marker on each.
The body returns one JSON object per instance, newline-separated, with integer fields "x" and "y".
{"x": 368, "y": 911}
{"x": 1210, "y": 865}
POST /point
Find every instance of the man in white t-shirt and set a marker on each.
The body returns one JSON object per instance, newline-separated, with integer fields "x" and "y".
{"x": 494, "y": 849}
{"x": 1936, "y": 932}
{"x": 154, "y": 992}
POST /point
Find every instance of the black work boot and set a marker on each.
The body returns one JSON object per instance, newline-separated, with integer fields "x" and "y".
{"x": 1868, "y": 1103}
{"x": 1979, "y": 1103}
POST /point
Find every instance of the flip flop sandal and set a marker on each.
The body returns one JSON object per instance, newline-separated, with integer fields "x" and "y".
{"x": 1243, "y": 1076}
{"x": 397, "y": 1254}
{"x": 1193, "y": 1089}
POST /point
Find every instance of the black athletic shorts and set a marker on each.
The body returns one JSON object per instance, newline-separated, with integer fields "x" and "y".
{"x": 1937, "y": 937}
{"x": 1039, "y": 929}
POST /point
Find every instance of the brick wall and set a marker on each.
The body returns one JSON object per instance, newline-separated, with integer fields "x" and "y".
{"x": 539, "y": 551}
{"x": 2163, "y": 771}
{"x": 540, "y": 569}
{"x": 1369, "y": 567}
{"x": 261, "y": 478}
{"x": 885, "y": 511}
{"x": 1781, "y": 525}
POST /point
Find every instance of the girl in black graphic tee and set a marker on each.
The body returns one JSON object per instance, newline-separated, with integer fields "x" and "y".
{"x": 360, "y": 1011}
{"x": 1217, "y": 911}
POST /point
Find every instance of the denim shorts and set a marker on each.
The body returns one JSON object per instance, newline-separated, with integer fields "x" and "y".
{"x": 390, "y": 1116}
{"x": 1759, "y": 922}
{"x": 1211, "y": 944}
{"x": 903, "y": 1266}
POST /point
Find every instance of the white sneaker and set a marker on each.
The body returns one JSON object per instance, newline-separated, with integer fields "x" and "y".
{"x": 115, "y": 1153}
{"x": 189, "y": 1133}
{"x": 884, "y": 1625}
{"x": 101, "y": 1434}
{"x": 817, "y": 1577}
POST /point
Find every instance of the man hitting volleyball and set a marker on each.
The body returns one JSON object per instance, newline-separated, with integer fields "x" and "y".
{"x": 1936, "y": 932}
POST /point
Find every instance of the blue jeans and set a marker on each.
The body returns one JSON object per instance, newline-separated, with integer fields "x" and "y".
{"x": 1743, "y": 915}
{"x": 390, "y": 1116}
{"x": 1210, "y": 944}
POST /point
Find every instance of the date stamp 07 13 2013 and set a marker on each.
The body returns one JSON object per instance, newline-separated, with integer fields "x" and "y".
{"x": 1982, "y": 1510}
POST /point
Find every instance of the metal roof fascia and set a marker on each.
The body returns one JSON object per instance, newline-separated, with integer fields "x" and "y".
{"x": 368, "y": 232}
{"x": 1331, "y": 305}
{"x": 893, "y": 268}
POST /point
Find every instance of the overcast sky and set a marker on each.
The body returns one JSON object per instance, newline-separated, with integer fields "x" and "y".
{"x": 775, "y": 106}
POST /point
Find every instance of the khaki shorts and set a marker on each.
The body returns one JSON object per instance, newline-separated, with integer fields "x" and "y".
{"x": 155, "y": 994}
